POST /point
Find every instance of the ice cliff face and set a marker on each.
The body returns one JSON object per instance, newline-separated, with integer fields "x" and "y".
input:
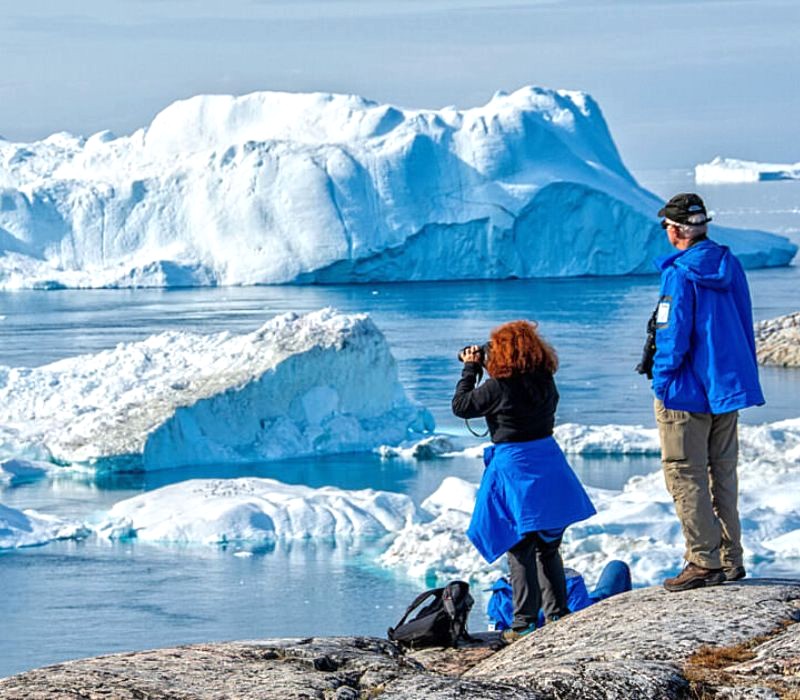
{"x": 316, "y": 384}
{"x": 280, "y": 188}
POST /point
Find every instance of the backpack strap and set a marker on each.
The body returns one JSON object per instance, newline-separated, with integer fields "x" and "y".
{"x": 414, "y": 604}
{"x": 458, "y": 617}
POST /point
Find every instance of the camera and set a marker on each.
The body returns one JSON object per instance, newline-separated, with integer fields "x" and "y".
{"x": 483, "y": 352}
{"x": 645, "y": 366}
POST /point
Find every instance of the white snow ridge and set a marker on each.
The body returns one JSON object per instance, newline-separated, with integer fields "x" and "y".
{"x": 220, "y": 511}
{"x": 277, "y": 188}
{"x": 299, "y": 385}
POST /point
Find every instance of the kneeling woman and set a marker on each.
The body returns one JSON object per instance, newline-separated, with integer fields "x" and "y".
{"x": 528, "y": 494}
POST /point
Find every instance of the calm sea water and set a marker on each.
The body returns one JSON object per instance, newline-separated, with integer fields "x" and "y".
{"x": 68, "y": 600}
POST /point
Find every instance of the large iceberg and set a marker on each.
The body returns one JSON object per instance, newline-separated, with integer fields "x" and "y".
{"x": 314, "y": 384}
{"x": 255, "y": 511}
{"x": 275, "y": 187}
{"x": 725, "y": 171}
{"x": 637, "y": 524}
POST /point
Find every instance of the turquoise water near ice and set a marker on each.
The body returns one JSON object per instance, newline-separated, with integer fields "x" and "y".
{"x": 74, "y": 599}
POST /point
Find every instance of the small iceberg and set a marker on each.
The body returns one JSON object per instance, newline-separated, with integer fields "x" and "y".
{"x": 255, "y": 511}
{"x": 19, "y": 470}
{"x": 727, "y": 171}
{"x": 27, "y": 528}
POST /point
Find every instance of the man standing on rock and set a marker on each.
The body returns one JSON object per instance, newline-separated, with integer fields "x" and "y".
{"x": 704, "y": 371}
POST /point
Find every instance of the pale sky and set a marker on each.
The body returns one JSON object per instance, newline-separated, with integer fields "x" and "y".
{"x": 679, "y": 81}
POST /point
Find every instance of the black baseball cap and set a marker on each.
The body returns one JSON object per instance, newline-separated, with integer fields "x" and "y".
{"x": 686, "y": 208}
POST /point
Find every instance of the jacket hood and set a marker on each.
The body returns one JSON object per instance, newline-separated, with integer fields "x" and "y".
{"x": 706, "y": 263}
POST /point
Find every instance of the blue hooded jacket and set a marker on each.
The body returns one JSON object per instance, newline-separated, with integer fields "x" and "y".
{"x": 705, "y": 360}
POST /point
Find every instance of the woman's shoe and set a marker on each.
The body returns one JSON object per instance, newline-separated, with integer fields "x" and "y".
{"x": 556, "y": 618}
{"x": 512, "y": 635}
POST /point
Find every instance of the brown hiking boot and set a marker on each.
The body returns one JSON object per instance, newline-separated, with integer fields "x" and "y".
{"x": 694, "y": 576}
{"x": 735, "y": 573}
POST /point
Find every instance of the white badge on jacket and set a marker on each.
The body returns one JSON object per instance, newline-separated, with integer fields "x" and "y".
{"x": 662, "y": 315}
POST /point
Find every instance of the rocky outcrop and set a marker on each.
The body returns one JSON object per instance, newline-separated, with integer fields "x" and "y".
{"x": 733, "y": 641}
{"x": 640, "y": 644}
{"x": 778, "y": 341}
{"x": 349, "y": 668}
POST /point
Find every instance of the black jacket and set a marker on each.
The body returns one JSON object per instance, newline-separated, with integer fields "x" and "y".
{"x": 517, "y": 408}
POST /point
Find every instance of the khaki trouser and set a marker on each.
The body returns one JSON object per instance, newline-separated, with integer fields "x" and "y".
{"x": 699, "y": 452}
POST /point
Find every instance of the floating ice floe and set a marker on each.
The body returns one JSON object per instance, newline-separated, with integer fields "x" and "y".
{"x": 274, "y": 187}
{"x": 637, "y": 525}
{"x": 723, "y": 171}
{"x": 255, "y": 511}
{"x": 431, "y": 447}
{"x": 573, "y": 438}
{"x": 439, "y": 548}
{"x": 17, "y": 470}
{"x": 28, "y": 528}
{"x": 315, "y": 384}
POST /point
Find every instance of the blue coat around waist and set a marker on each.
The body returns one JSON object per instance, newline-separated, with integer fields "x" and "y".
{"x": 526, "y": 487}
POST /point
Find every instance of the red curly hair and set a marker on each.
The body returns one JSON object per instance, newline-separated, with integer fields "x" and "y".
{"x": 516, "y": 348}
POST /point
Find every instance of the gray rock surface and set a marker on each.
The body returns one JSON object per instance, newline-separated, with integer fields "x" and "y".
{"x": 346, "y": 668}
{"x": 778, "y": 341}
{"x": 637, "y": 644}
{"x": 642, "y": 644}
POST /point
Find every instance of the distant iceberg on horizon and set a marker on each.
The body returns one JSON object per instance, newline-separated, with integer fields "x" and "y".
{"x": 284, "y": 188}
{"x": 724, "y": 171}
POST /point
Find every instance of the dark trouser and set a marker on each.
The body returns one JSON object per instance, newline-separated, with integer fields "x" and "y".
{"x": 537, "y": 580}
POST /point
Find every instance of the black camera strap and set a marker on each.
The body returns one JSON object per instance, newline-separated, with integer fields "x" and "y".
{"x": 476, "y": 434}
{"x": 478, "y": 380}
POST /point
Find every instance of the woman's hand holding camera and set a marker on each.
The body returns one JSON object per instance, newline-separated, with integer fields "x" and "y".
{"x": 471, "y": 353}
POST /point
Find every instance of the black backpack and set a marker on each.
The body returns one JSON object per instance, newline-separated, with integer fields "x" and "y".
{"x": 440, "y": 623}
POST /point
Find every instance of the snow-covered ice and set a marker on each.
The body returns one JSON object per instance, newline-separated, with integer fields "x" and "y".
{"x": 431, "y": 447}
{"x": 607, "y": 439}
{"x": 637, "y": 524}
{"x": 314, "y": 384}
{"x": 723, "y": 171}
{"x": 28, "y": 528}
{"x": 275, "y": 187}
{"x": 255, "y": 511}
